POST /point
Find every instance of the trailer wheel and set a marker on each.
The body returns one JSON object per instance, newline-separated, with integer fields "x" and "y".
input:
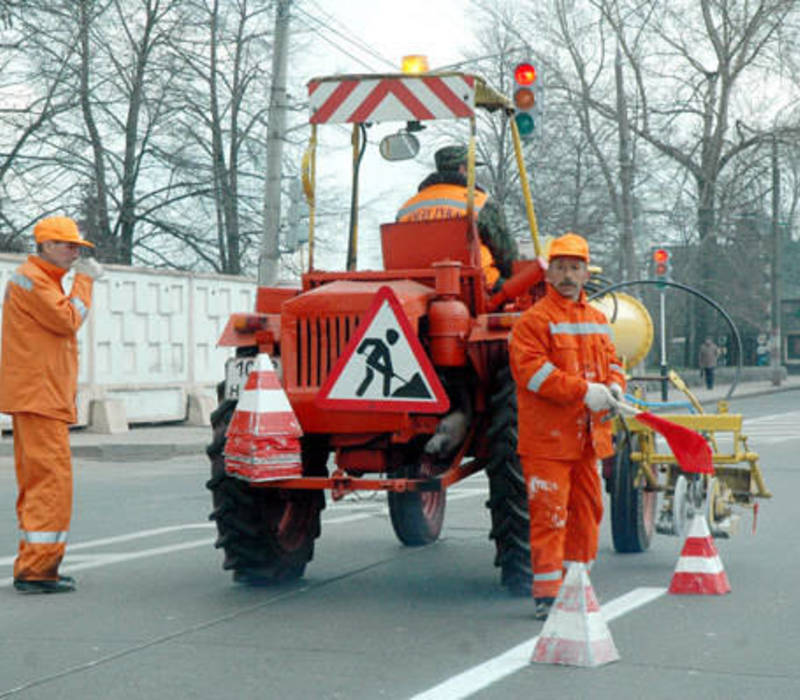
{"x": 633, "y": 509}
{"x": 508, "y": 499}
{"x": 417, "y": 516}
{"x": 267, "y": 534}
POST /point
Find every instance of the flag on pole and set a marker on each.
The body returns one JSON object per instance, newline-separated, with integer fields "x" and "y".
{"x": 690, "y": 448}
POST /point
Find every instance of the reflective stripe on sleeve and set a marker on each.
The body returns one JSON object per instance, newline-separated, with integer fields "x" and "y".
{"x": 582, "y": 328}
{"x": 549, "y": 576}
{"x": 22, "y": 281}
{"x": 33, "y": 537}
{"x": 78, "y": 304}
{"x": 535, "y": 382}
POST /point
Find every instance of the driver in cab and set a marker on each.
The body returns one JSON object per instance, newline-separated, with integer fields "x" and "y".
{"x": 443, "y": 195}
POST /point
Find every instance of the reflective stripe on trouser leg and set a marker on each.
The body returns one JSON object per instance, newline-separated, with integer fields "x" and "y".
{"x": 44, "y": 502}
{"x": 584, "y": 509}
{"x": 547, "y": 482}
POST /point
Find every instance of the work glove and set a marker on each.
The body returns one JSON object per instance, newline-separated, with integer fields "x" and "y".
{"x": 89, "y": 267}
{"x": 616, "y": 391}
{"x": 598, "y": 397}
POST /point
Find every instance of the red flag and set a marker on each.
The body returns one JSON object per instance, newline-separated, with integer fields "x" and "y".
{"x": 689, "y": 447}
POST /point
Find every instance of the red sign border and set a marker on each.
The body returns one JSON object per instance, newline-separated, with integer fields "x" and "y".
{"x": 439, "y": 405}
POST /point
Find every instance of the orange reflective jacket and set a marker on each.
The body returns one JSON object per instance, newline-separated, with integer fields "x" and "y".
{"x": 557, "y": 347}
{"x": 39, "y": 357}
{"x": 448, "y": 201}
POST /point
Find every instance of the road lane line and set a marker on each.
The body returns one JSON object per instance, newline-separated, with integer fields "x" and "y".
{"x": 483, "y": 675}
{"x": 94, "y": 561}
{"x": 98, "y": 560}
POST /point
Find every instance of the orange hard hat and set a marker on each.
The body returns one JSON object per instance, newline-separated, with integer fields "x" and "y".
{"x": 569, "y": 245}
{"x": 59, "y": 228}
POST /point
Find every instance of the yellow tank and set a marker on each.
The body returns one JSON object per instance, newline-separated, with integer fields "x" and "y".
{"x": 631, "y": 323}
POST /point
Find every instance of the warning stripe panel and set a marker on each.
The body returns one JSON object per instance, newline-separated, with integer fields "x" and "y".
{"x": 391, "y": 98}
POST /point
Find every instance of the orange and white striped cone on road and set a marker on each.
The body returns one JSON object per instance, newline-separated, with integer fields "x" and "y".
{"x": 575, "y": 633}
{"x": 699, "y": 569}
{"x": 263, "y": 438}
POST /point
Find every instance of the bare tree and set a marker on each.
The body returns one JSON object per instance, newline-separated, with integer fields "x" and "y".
{"x": 227, "y": 56}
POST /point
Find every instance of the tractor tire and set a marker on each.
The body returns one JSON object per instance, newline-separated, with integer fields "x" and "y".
{"x": 267, "y": 534}
{"x": 417, "y": 516}
{"x": 633, "y": 509}
{"x": 508, "y": 498}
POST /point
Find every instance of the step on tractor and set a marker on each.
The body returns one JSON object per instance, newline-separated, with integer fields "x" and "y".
{"x": 399, "y": 377}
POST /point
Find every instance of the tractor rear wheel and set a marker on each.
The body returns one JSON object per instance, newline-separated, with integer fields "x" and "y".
{"x": 267, "y": 533}
{"x": 633, "y": 508}
{"x": 508, "y": 499}
{"x": 417, "y": 516}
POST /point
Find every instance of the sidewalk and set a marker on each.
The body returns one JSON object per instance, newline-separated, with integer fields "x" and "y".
{"x": 157, "y": 442}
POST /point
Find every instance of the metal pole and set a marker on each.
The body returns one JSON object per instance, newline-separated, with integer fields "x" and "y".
{"x": 269, "y": 255}
{"x": 662, "y": 332}
{"x": 775, "y": 270}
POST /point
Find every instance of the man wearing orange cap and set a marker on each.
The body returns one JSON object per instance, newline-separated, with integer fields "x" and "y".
{"x": 38, "y": 384}
{"x": 568, "y": 376}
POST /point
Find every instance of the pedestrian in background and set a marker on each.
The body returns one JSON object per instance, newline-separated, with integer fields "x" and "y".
{"x": 568, "y": 376}
{"x": 709, "y": 354}
{"x": 38, "y": 385}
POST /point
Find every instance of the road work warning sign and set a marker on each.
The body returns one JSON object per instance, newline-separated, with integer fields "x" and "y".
{"x": 384, "y": 367}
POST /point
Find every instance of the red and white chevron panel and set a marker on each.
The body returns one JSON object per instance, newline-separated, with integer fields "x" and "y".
{"x": 391, "y": 98}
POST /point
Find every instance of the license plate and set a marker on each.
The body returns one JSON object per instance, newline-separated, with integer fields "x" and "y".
{"x": 236, "y": 371}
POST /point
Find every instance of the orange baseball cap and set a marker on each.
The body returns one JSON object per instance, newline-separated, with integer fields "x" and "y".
{"x": 569, "y": 245}
{"x": 59, "y": 228}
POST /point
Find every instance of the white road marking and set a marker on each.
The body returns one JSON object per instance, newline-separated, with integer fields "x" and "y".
{"x": 93, "y": 561}
{"x": 483, "y": 675}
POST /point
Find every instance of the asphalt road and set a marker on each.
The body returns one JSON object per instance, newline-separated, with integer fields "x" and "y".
{"x": 156, "y": 617}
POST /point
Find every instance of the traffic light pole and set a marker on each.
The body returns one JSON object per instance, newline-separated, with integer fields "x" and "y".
{"x": 662, "y": 332}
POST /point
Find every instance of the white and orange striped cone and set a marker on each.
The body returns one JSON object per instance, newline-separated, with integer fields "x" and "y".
{"x": 575, "y": 633}
{"x": 263, "y": 436}
{"x": 699, "y": 569}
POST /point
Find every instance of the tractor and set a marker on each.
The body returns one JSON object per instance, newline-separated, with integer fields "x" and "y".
{"x": 398, "y": 377}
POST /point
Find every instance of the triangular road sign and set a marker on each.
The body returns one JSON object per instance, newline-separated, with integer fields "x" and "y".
{"x": 384, "y": 367}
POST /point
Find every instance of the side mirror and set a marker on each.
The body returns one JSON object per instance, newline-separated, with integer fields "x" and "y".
{"x": 399, "y": 146}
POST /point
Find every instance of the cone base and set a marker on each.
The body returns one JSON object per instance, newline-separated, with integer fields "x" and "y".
{"x": 572, "y": 652}
{"x": 688, "y": 583}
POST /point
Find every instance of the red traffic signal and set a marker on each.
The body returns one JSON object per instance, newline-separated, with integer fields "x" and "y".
{"x": 527, "y": 109}
{"x": 524, "y": 74}
{"x": 660, "y": 257}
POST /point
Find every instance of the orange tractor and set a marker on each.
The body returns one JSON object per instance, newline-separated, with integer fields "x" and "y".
{"x": 425, "y": 397}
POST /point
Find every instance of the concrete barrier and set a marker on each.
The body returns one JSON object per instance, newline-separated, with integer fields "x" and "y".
{"x": 148, "y": 349}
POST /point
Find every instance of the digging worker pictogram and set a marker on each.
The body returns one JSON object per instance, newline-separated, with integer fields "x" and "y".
{"x": 38, "y": 384}
{"x": 379, "y": 359}
{"x": 568, "y": 376}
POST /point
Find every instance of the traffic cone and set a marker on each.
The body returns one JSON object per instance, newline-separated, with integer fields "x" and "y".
{"x": 263, "y": 436}
{"x": 699, "y": 568}
{"x": 575, "y": 633}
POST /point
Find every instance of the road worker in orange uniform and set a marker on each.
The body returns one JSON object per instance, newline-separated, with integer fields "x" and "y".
{"x": 443, "y": 195}
{"x": 568, "y": 377}
{"x": 38, "y": 384}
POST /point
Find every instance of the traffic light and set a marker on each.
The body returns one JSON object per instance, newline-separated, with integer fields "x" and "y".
{"x": 661, "y": 264}
{"x": 527, "y": 100}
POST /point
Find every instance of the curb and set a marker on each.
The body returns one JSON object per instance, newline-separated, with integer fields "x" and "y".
{"x": 155, "y": 452}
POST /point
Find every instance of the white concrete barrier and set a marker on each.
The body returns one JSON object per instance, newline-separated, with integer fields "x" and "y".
{"x": 150, "y": 342}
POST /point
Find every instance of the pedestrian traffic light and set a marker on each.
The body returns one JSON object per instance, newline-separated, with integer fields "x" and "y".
{"x": 527, "y": 100}
{"x": 661, "y": 266}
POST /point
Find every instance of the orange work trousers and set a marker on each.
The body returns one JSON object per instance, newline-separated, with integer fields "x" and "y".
{"x": 44, "y": 501}
{"x": 565, "y": 504}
